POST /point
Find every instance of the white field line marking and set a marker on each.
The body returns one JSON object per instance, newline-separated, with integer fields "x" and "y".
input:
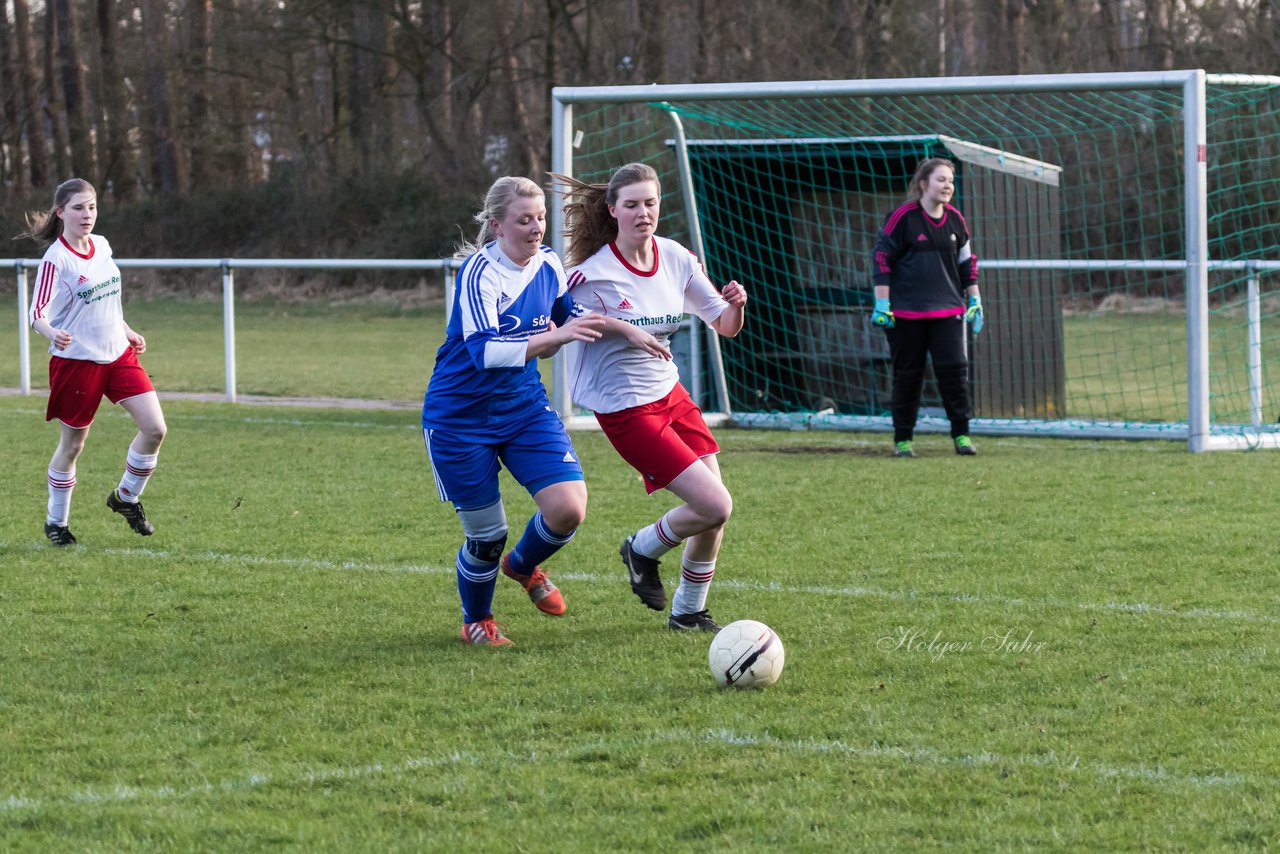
{"x": 904, "y": 595}
{"x": 930, "y": 756}
{"x": 836, "y": 749}
{"x": 412, "y": 423}
{"x": 850, "y": 438}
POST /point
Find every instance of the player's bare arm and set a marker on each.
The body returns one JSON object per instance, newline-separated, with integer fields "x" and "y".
{"x": 636, "y": 337}
{"x": 730, "y": 321}
{"x": 136, "y": 341}
{"x": 588, "y": 327}
{"x": 61, "y": 338}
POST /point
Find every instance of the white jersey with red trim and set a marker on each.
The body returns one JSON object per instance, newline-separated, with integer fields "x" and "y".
{"x": 608, "y": 375}
{"x": 81, "y": 294}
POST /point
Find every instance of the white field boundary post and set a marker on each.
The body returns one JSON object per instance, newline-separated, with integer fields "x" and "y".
{"x": 1195, "y": 166}
{"x": 24, "y": 330}
{"x": 1255, "y": 346}
{"x": 696, "y": 330}
{"x": 229, "y": 327}
{"x": 708, "y": 335}
{"x": 562, "y": 162}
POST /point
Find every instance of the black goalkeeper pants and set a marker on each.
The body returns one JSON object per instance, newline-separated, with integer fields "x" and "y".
{"x": 941, "y": 339}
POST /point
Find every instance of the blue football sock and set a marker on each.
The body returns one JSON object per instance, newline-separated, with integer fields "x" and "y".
{"x": 475, "y": 586}
{"x": 536, "y": 545}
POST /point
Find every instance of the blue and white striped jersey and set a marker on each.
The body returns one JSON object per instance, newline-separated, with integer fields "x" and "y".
{"x": 482, "y": 386}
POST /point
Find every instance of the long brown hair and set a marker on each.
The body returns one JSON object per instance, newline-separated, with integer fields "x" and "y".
{"x": 46, "y": 226}
{"x": 588, "y": 223}
{"x": 923, "y": 173}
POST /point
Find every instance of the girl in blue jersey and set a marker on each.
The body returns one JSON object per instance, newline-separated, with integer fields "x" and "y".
{"x": 486, "y": 407}
{"x": 926, "y": 289}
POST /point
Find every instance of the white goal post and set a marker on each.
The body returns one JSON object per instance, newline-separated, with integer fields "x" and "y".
{"x": 794, "y": 139}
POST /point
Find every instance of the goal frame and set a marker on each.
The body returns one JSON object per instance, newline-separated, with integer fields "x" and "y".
{"x": 1196, "y": 264}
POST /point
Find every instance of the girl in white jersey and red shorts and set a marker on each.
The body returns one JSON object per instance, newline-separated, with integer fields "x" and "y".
{"x": 93, "y": 354}
{"x": 620, "y": 268}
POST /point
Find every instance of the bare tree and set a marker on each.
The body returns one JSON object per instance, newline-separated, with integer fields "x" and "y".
{"x": 368, "y": 125}
{"x": 32, "y": 113}
{"x": 350, "y": 87}
{"x": 12, "y": 169}
{"x": 527, "y": 159}
{"x": 199, "y": 56}
{"x": 75, "y": 96}
{"x": 1110, "y": 15}
{"x": 236, "y": 149}
{"x": 116, "y": 158}
{"x": 56, "y": 99}
{"x": 166, "y": 168}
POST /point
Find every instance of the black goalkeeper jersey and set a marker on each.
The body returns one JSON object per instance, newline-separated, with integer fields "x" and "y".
{"x": 927, "y": 263}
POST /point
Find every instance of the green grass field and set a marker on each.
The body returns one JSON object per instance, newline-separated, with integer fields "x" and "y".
{"x": 1057, "y": 645}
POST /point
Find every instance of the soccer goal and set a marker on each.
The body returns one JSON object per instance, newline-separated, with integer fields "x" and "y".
{"x": 1126, "y": 228}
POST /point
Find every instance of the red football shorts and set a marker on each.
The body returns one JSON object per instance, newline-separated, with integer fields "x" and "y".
{"x": 77, "y": 386}
{"x": 660, "y": 439}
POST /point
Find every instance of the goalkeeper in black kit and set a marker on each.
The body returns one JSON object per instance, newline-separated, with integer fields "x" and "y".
{"x": 926, "y": 290}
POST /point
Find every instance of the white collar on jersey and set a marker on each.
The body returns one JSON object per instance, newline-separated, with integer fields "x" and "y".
{"x": 495, "y": 252}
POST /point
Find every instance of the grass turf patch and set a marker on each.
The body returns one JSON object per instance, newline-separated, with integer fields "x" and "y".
{"x": 1056, "y": 644}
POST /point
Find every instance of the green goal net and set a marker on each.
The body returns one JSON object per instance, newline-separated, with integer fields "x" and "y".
{"x": 1091, "y": 214}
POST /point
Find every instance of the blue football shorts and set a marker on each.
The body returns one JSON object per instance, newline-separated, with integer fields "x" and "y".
{"x": 466, "y": 467}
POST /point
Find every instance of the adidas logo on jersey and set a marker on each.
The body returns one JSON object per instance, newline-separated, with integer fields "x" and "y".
{"x": 503, "y": 300}
{"x": 82, "y": 280}
{"x": 921, "y": 237}
{"x": 625, "y": 305}
{"x": 568, "y": 457}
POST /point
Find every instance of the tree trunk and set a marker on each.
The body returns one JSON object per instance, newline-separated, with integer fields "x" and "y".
{"x": 1111, "y": 20}
{"x": 1159, "y": 37}
{"x": 116, "y": 160}
{"x": 167, "y": 171}
{"x": 73, "y": 86}
{"x": 527, "y": 162}
{"x": 12, "y": 169}
{"x": 199, "y": 61}
{"x": 442, "y": 65}
{"x": 239, "y": 160}
{"x": 645, "y": 26}
{"x": 33, "y": 116}
{"x": 848, "y": 40}
{"x": 57, "y": 105}
{"x": 966, "y": 38}
{"x": 433, "y": 81}
{"x": 369, "y": 126}
{"x": 1012, "y": 49}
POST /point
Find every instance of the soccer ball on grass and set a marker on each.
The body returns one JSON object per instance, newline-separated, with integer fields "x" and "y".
{"x": 746, "y": 654}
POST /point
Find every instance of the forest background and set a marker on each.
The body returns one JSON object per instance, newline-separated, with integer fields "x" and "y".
{"x": 301, "y": 128}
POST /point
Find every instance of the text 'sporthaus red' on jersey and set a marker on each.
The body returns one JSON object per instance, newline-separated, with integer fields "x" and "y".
{"x": 606, "y": 375}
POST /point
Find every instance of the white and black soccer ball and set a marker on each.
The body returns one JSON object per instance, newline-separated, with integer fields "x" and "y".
{"x": 746, "y": 654}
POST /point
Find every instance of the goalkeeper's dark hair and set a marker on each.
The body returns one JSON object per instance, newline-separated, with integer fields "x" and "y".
{"x": 588, "y": 224}
{"x": 46, "y": 226}
{"x": 924, "y": 172}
